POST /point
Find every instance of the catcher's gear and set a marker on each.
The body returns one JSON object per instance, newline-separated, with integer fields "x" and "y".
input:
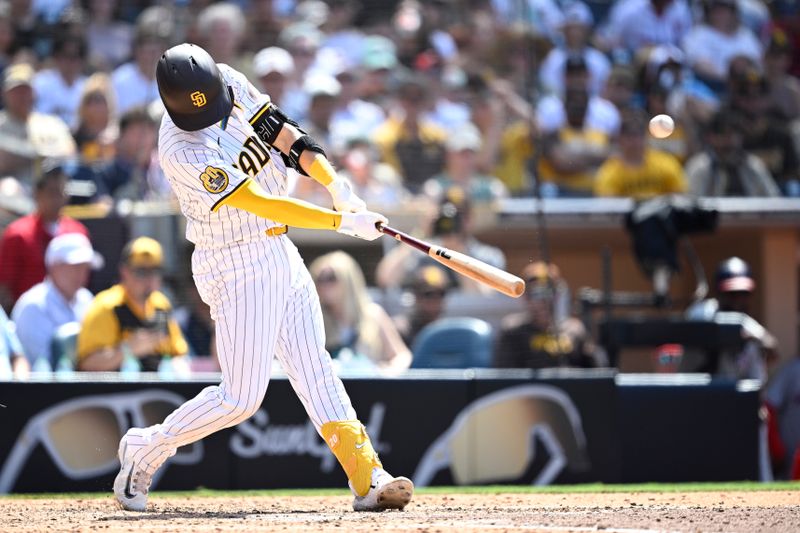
{"x": 344, "y": 199}
{"x": 191, "y": 87}
{"x": 361, "y": 225}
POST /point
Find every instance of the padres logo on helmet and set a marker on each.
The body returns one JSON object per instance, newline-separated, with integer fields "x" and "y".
{"x": 214, "y": 179}
{"x": 198, "y": 99}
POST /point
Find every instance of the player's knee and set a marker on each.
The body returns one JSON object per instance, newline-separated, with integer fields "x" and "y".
{"x": 242, "y": 410}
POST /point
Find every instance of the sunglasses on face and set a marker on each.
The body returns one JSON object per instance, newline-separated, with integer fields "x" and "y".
{"x": 143, "y": 273}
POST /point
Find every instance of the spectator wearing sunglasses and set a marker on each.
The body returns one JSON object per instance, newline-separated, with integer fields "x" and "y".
{"x": 429, "y": 288}
{"x": 543, "y": 335}
{"x": 132, "y": 317}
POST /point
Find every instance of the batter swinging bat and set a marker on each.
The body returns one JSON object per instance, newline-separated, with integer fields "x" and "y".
{"x": 500, "y": 280}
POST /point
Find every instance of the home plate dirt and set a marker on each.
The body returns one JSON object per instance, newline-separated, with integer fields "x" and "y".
{"x": 746, "y": 512}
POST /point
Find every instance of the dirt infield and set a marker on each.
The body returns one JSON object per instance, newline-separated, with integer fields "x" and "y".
{"x": 773, "y": 511}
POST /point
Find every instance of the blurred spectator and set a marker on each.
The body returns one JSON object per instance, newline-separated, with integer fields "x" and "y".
{"x": 125, "y": 176}
{"x": 221, "y": 30}
{"x": 781, "y": 395}
{"x": 637, "y": 171}
{"x": 636, "y": 24}
{"x": 620, "y": 88}
{"x": 378, "y": 62}
{"x": 354, "y": 116}
{"x": 572, "y": 153}
{"x": 461, "y": 170}
{"x": 96, "y": 130}
{"x": 132, "y": 318}
{"x": 734, "y": 286}
{"x": 26, "y": 136}
{"x": 450, "y": 228}
{"x": 355, "y": 326}
{"x": 710, "y": 46}
{"x": 596, "y": 114}
{"x": 764, "y": 135}
{"x": 323, "y": 91}
{"x": 57, "y": 90}
{"x": 576, "y": 28}
{"x": 302, "y": 41}
{"x": 23, "y": 245}
{"x": 411, "y": 144}
{"x": 135, "y": 82}
{"x": 342, "y": 35}
{"x": 784, "y": 89}
{"x": 541, "y": 336}
{"x": 542, "y": 16}
{"x": 11, "y": 349}
{"x": 723, "y": 168}
{"x": 6, "y": 36}
{"x": 429, "y": 288}
{"x": 375, "y": 182}
{"x": 274, "y": 68}
{"x": 265, "y": 23}
{"x": 62, "y": 298}
{"x": 108, "y": 37}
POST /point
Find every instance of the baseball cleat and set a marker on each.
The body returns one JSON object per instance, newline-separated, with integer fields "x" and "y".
{"x": 132, "y": 483}
{"x": 385, "y": 492}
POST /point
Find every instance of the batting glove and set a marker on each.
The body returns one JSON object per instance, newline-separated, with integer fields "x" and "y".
{"x": 344, "y": 199}
{"x": 362, "y": 225}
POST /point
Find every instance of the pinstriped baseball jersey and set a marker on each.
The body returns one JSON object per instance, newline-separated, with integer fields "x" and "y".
{"x": 205, "y": 166}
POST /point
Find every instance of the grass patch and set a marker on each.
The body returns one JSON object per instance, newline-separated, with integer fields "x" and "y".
{"x": 489, "y": 489}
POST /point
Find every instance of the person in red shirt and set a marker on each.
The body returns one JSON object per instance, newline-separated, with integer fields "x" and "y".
{"x": 24, "y": 241}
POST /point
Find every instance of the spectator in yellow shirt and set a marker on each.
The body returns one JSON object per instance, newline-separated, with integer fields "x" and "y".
{"x": 637, "y": 171}
{"x": 132, "y": 317}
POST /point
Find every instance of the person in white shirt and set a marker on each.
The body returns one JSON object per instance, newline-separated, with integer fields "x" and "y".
{"x": 576, "y": 28}
{"x": 635, "y": 24}
{"x": 58, "y": 89}
{"x": 135, "y": 82}
{"x": 62, "y": 298}
{"x": 709, "y": 47}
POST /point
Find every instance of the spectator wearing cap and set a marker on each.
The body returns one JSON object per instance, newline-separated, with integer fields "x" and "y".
{"x": 636, "y": 24}
{"x": 429, "y": 287}
{"x": 11, "y": 349}
{"x": 449, "y": 227}
{"x": 58, "y": 90}
{"x": 599, "y": 114}
{"x": 638, "y": 171}
{"x": 23, "y": 244}
{"x": 576, "y": 28}
{"x": 408, "y": 141}
{"x": 62, "y": 298}
{"x": 544, "y": 335}
{"x": 133, "y": 317}
{"x": 302, "y": 40}
{"x": 734, "y": 286}
{"x": 784, "y": 88}
{"x": 378, "y": 63}
{"x": 461, "y": 170}
{"x": 765, "y": 135}
{"x": 723, "y": 168}
{"x": 274, "y": 68}
{"x": 135, "y": 81}
{"x": 572, "y": 152}
{"x": 26, "y": 135}
{"x": 710, "y": 46}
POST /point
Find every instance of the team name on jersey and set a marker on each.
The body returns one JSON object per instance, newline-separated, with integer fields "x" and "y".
{"x": 254, "y": 156}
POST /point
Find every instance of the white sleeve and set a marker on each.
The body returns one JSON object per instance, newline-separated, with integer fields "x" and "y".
{"x": 201, "y": 176}
{"x": 33, "y": 331}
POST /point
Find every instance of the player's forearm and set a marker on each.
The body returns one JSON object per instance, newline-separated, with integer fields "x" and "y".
{"x": 292, "y": 212}
{"x": 315, "y": 164}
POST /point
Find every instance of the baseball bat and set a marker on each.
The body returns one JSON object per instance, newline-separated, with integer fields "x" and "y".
{"x": 498, "y": 279}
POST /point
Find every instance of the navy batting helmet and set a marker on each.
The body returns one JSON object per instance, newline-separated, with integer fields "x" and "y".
{"x": 192, "y": 88}
{"x": 733, "y": 275}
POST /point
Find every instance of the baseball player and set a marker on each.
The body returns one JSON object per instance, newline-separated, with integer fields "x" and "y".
{"x": 225, "y": 149}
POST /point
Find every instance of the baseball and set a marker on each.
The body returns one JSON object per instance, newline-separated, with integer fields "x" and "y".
{"x": 661, "y": 126}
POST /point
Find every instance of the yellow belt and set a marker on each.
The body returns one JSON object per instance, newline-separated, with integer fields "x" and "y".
{"x": 274, "y": 231}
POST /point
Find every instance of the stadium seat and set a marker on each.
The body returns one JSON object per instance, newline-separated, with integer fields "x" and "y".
{"x": 454, "y": 343}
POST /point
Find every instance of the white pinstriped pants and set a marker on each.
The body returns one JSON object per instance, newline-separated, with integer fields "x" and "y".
{"x": 265, "y": 304}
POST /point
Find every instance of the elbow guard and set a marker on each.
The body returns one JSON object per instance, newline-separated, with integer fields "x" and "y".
{"x": 303, "y": 143}
{"x": 268, "y": 122}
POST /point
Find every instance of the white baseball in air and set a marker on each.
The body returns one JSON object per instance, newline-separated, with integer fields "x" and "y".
{"x": 661, "y": 126}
